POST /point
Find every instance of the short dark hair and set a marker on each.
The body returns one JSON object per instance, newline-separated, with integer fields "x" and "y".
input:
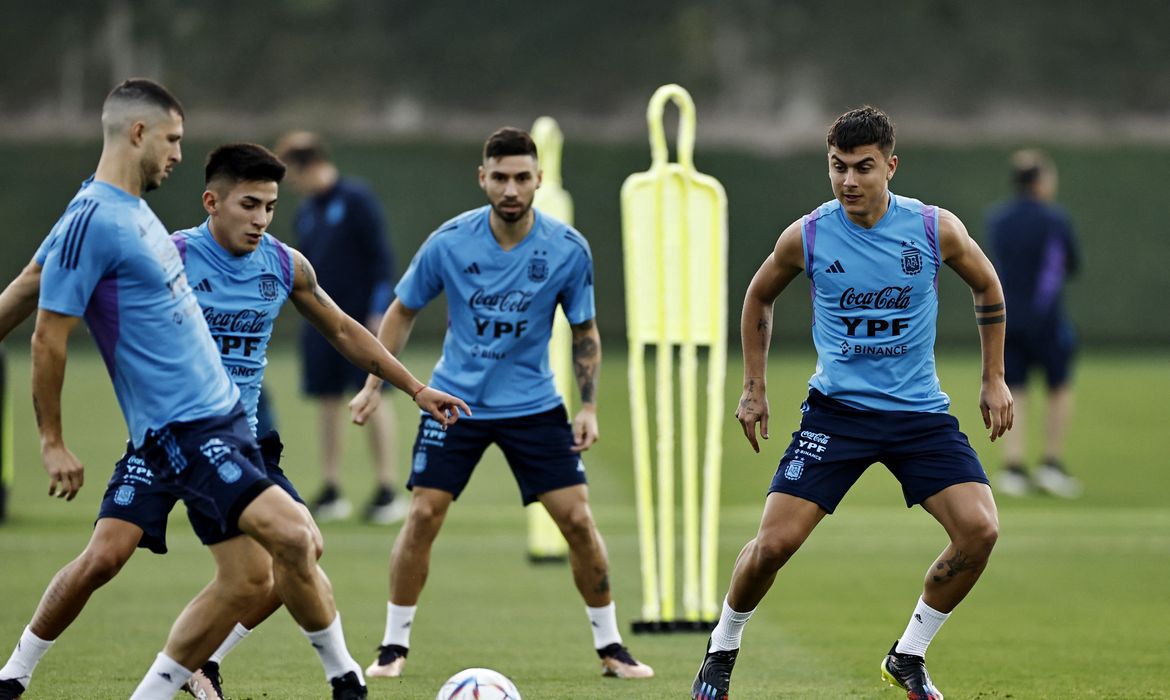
{"x": 509, "y": 141}
{"x": 1027, "y": 167}
{"x": 863, "y": 126}
{"x": 301, "y": 149}
{"x": 243, "y": 162}
{"x": 149, "y": 92}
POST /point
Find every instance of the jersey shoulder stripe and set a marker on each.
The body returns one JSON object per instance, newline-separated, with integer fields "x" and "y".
{"x": 75, "y": 236}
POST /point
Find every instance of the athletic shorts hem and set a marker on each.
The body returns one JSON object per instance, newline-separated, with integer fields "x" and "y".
{"x": 805, "y": 496}
{"x": 972, "y": 479}
{"x": 147, "y": 541}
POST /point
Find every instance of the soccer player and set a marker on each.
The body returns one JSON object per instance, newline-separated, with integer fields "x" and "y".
{"x": 1035, "y": 252}
{"x": 341, "y": 230}
{"x": 873, "y": 259}
{"x": 504, "y": 268}
{"x": 244, "y": 278}
{"x": 109, "y": 259}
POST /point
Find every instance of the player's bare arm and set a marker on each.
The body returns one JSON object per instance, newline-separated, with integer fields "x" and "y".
{"x": 18, "y": 301}
{"x": 778, "y": 270}
{"x": 966, "y": 258}
{"x": 49, "y": 343}
{"x": 360, "y": 347}
{"x": 393, "y": 332}
{"x": 587, "y": 369}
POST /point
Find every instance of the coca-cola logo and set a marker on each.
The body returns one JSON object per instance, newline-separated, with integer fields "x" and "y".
{"x": 242, "y": 321}
{"x": 513, "y": 300}
{"x": 888, "y": 298}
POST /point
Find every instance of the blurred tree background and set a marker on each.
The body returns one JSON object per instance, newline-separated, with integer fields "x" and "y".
{"x": 406, "y": 91}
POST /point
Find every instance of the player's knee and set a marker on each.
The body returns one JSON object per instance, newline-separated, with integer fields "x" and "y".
{"x": 425, "y": 516}
{"x": 293, "y": 542}
{"x": 99, "y": 565}
{"x": 771, "y": 553}
{"x": 982, "y": 536}
{"x": 577, "y": 526}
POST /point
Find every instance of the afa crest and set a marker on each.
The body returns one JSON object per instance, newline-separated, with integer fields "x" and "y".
{"x": 911, "y": 260}
{"x": 538, "y": 269}
{"x": 268, "y": 287}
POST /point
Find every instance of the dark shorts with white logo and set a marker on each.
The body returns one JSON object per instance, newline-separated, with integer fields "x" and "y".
{"x": 143, "y": 491}
{"x": 836, "y": 443}
{"x": 538, "y": 448}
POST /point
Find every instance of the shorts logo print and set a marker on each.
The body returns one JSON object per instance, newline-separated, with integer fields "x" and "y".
{"x": 420, "y": 462}
{"x": 124, "y": 496}
{"x": 794, "y": 470}
{"x": 215, "y": 450}
{"x": 230, "y": 472}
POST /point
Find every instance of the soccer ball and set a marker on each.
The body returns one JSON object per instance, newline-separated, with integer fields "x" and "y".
{"x": 478, "y": 684}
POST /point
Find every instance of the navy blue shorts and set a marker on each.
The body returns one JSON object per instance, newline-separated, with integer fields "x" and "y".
{"x": 836, "y": 443}
{"x": 1051, "y": 352}
{"x": 325, "y": 371}
{"x": 538, "y": 449}
{"x": 139, "y": 492}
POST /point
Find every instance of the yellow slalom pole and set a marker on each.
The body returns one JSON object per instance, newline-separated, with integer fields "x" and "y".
{"x": 545, "y": 541}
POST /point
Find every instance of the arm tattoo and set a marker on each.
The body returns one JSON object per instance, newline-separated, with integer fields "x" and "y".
{"x": 311, "y": 279}
{"x": 585, "y": 365}
{"x": 989, "y": 308}
{"x": 37, "y": 412}
{"x": 376, "y": 370}
{"x": 954, "y": 566}
{"x": 991, "y": 320}
{"x": 762, "y": 325}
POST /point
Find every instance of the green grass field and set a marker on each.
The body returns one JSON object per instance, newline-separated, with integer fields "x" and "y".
{"x": 1073, "y": 605}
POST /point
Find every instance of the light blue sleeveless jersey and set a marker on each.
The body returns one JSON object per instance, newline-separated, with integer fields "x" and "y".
{"x": 109, "y": 259}
{"x": 500, "y": 307}
{"x": 875, "y": 306}
{"x": 241, "y": 296}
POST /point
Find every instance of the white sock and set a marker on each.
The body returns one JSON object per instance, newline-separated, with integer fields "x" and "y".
{"x": 727, "y": 634}
{"x": 234, "y": 637}
{"x": 24, "y": 659}
{"x": 330, "y": 646}
{"x": 603, "y": 622}
{"x": 399, "y": 619}
{"x": 924, "y": 624}
{"x": 165, "y": 678}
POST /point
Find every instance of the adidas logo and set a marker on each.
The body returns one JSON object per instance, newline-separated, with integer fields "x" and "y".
{"x": 835, "y": 268}
{"x": 472, "y": 269}
{"x": 204, "y": 286}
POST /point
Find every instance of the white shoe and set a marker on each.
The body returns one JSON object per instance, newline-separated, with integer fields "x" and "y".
{"x": 1054, "y": 480}
{"x": 390, "y": 513}
{"x": 335, "y": 509}
{"x": 1013, "y": 482}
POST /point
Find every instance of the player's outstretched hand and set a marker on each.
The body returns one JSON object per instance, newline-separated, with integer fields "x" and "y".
{"x": 997, "y": 406}
{"x": 363, "y": 405}
{"x": 585, "y": 429}
{"x": 753, "y": 408}
{"x": 66, "y": 473}
{"x": 442, "y": 406}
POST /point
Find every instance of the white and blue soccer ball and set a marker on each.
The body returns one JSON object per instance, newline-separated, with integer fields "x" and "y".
{"x": 478, "y": 684}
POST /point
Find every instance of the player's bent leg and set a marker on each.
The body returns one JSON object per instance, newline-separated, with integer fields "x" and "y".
{"x": 410, "y": 563}
{"x": 281, "y": 527}
{"x": 967, "y": 512}
{"x": 786, "y": 523}
{"x": 243, "y": 580}
{"x": 110, "y": 546}
{"x": 569, "y": 509}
